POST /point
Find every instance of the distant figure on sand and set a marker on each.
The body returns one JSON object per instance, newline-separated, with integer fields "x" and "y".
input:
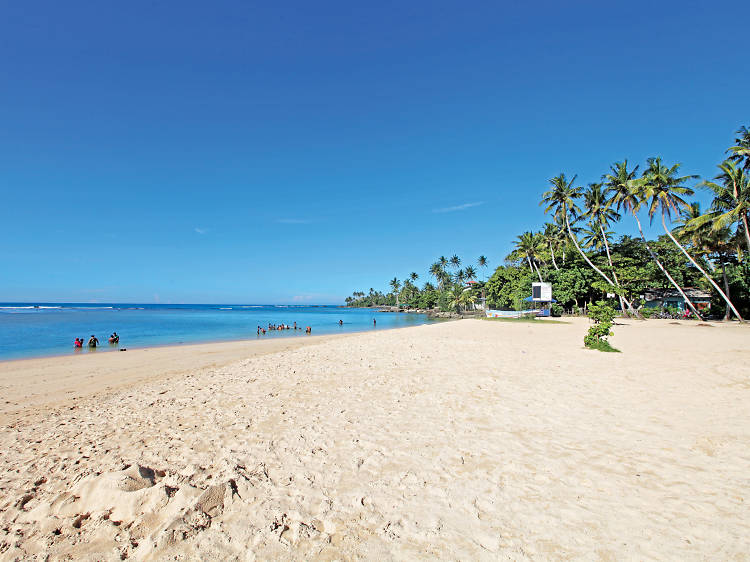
{"x": 93, "y": 342}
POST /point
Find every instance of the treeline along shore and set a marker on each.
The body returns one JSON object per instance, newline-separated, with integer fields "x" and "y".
{"x": 698, "y": 268}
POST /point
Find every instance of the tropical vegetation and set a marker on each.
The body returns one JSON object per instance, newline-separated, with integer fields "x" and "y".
{"x": 580, "y": 254}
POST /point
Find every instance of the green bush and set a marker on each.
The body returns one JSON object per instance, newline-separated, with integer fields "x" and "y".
{"x": 555, "y": 309}
{"x": 647, "y": 312}
{"x": 602, "y": 313}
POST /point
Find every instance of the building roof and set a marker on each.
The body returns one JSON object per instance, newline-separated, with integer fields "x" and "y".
{"x": 661, "y": 294}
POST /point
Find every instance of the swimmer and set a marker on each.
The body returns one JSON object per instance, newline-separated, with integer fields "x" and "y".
{"x": 308, "y": 330}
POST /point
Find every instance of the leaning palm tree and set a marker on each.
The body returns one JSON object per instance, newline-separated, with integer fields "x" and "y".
{"x": 395, "y": 285}
{"x": 705, "y": 240}
{"x": 626, "y": 193}
{"x": 551, "y": 240}
{"x": 526, "y": 245}
{"x": 601, "y": 214}
{"x": 731, "y": 203}
{"x": 740, "y": 153}
{"x": 561, "y": 199}
{"x": 664, "y": 190}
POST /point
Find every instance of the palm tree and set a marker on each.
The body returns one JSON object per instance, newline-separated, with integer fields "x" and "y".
{"x": 551, "y": 240}
{"x": 664, "y": 188}
{"x": 470, "y": 272}
{"x": 468, "y": 299}
{"x": 455, "y": 298}
{"x": 704, "y": 240}
{"x": 482, "y": 262}
{"x": 561, "y": 199}
{"x": 436, "y": 270}
{"x": 626, "y": 193}
{"x": 600, "y": 214}
{"x": 526, "y": 245}
{"x": 413, "y": 276}
{"x": 731, "y": 201}
{"x": 455, "y": 261}
{"x": 740, "y": 153}
{"x": 395, "y": 285}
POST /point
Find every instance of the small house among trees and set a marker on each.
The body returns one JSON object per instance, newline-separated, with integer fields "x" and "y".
{"x": 656, "y": 298}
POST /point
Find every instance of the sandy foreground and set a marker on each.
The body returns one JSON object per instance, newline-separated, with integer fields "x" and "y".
{"x": 463, "y": 440}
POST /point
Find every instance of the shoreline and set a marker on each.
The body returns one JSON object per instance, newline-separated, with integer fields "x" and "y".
{"x": 106, "y": 348}
{"x": 71, "y": 373}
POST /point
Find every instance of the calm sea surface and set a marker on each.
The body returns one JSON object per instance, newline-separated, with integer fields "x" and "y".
{"x": 39, "y": 329}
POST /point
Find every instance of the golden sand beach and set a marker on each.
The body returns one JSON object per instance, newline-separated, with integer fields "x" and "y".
{"x": 464, "y": 440}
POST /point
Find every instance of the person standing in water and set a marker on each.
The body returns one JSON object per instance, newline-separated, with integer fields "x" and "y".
{"x": 374, "y": 322}
{"x": 341, "y": 322}
{"x": 93, "y": 342}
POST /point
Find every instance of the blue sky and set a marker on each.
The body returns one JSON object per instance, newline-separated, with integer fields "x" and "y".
{"x": 294, "y": 152}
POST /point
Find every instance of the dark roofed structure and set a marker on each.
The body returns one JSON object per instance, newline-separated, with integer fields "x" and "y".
{"x": 671, "y": 297}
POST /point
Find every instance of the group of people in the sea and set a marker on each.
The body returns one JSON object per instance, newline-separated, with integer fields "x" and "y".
{"x": 93, "y": 341}
{"x": 271, "y": 327}
{"x": 308, "y": 329}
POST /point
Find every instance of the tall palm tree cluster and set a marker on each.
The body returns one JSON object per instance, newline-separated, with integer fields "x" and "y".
{"x": 577, "y": 250}
{"x": 455, "y": 287}
{"x": 662, "y": 192}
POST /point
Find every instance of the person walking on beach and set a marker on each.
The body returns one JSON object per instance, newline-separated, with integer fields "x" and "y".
{"x": 93, "y": 342}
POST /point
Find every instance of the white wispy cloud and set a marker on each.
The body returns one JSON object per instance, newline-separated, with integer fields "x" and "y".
{"x": 200, "y": 230}
{"x": 461, "y": 207}
{"x": 293, "y": 221}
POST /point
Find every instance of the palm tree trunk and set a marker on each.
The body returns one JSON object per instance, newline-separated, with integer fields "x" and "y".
{"x": 664, "y": 270}
{"x": 537, "y": 272}
{"x": 552, "y": 251}
{"x": 529, "y": 260}
{"x": 585, "y": 257}
{"x": 695, "y": 263}
{"x": 623, "y": 300}
{"x": 727, "y": 314}
{"x": 747, "y": 232}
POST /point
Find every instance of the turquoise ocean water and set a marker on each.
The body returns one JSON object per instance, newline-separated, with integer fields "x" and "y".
{"x": 41, "y": 329}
